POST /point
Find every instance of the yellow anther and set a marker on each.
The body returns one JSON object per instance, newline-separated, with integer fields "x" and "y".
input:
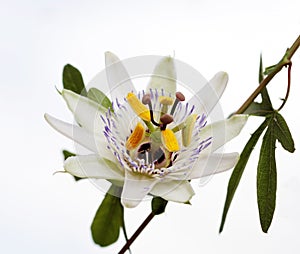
{"x": 138, "y": 107}
{"x": 136, "y": 137}
{"x": 169, "y": 140}
{"x": 165, "y": 100}
{"x": 187, "y": 131}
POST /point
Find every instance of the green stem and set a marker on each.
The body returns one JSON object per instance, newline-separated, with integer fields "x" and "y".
{"x": 286, "y": 60}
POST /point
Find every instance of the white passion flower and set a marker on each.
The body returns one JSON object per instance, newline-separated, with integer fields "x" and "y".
{"x": 150, "y": 142}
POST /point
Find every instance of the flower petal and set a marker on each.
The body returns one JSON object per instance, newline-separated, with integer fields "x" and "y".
{"x": 136, "y": 187}
{"x": 85, "y": 111}
{"x": 206, "y": 98}
{"x": 177, "y": 191}
{"x": 93, "y": 166}
{"x": 164, "y": 76}
{"x": 207, "y": 164}
{"x": 93, "y": 142}
{"x": 222, "y": 131}
{"x": 117, "y": 76}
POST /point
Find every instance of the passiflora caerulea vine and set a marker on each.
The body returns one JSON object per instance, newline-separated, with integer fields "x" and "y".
{"x": 154, "y": 141}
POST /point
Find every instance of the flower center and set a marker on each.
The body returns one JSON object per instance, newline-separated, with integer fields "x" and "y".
{"x": 152, "y": 145}
{"x": 161, "y": 135}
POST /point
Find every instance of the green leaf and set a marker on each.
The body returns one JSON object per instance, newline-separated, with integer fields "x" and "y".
{"x": 158, "y": 205}
{"x": 239, "y": 169}
{"x": 68, "y": 154}
{"x": 261, "y": 75}
{"x": 99, "y": 97}
{"x": 108, "y": 219}
{"x": 256, "y": 109}
{"x": 283, "y": 133}
{"x": 266, "y": 101}
{"x": 72, "y": 80}
{"x": 267, "y": 178}
{"x": 265, "y": 107}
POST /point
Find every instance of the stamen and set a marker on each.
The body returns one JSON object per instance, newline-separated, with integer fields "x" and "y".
{"x": 165, "y": 101}
{"x": 179, "y": 127}
{"x": 187, "y": 131}
{"x": 169, "y": 140}
{"x": 147, "y": 101}
{"x": 136, "y": 137}
{"x": 138, "y": 107}
{"x": 179, "y": 97}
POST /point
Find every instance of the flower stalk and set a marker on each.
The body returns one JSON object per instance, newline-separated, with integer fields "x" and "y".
{"x": 137, "y": 233}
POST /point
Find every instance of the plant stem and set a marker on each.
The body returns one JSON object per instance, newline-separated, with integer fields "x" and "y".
{"x": 286, "y": 60}
{"x": 137, "y": 232}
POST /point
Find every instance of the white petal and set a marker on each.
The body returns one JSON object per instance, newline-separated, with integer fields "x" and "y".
{"x": 177, "y": 191}
{"x": 92, "y": 166}
{"x": 117, "y": 76}
{"x": 208, "y": 164}
{"x": 86, "y": 112}
{"x": 136, "y": 187}
{"x": 206, "y": 98}
{"x": 222, "y": 131}
{"x": 164, "y": 76}
{"x": 93, "y": 142}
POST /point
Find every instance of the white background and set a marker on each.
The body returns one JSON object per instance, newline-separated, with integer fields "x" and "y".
{"x": 42, "y": 213}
